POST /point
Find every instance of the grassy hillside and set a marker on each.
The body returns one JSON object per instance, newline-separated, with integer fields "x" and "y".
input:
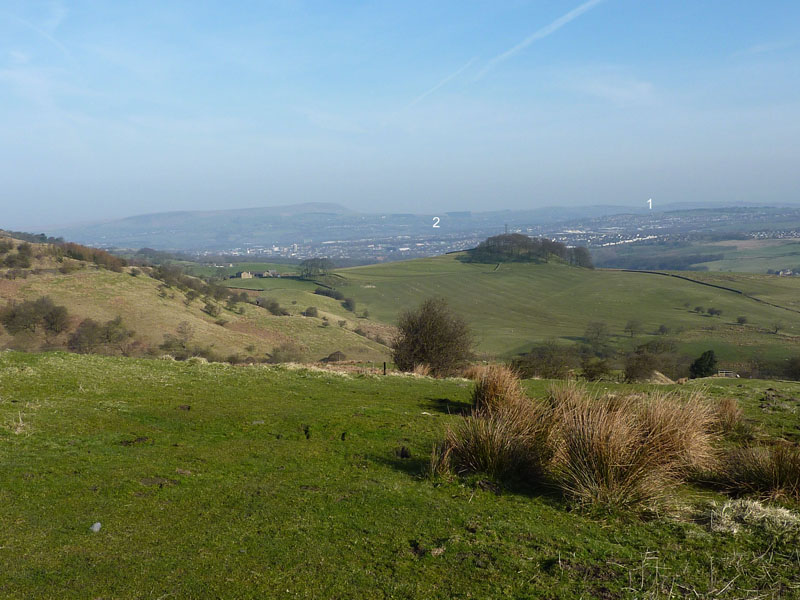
{"x": 756, "y": 256}
{"x": 152, "y": 310}
{"x": 512, "y": 305}
{"x": 254, "y": 482}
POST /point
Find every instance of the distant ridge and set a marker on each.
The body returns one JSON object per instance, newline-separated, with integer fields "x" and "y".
{"x": 286, "y": 224}
{"x": 224, "y": 229}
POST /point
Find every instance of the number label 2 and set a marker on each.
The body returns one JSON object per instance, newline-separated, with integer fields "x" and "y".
{"x": 436, "y": 221}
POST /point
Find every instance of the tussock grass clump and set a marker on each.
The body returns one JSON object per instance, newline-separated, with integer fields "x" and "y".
{"x": 496, "y": 386}
{"x": 422, "y": 370}
{"x": 625, "y": 450}
{"x": 767, "y": 470}
{"x": 601, "y": 459}
{"x": 473, "y": 372}
{"x": 608, "y": 450}
{"x": 680, "y": 431}
{"x": 511, "y": 441}
{"x": 729, "y": 416}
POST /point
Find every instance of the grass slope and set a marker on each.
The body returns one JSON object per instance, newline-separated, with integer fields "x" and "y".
{"x": 756, "y": 256}
{"x": 515, "y": 304}
{"x": 102, "y": 295}
{"x": 279, "y": 483}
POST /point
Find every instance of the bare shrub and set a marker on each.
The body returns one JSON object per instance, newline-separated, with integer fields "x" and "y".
{"x": 433, "y": 335}
{"x": 767, "y": 470}
{"x": 496, "y": 386}
{"x": 286, "y": 352}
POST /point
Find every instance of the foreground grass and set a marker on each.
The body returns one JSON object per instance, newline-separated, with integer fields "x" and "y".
{"x": 287, "y": 483}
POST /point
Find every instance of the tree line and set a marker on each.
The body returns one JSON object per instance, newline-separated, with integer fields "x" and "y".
{"x": 516, "y": 247}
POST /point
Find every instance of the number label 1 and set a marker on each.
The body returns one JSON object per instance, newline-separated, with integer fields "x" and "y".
{"x": 650, "y": 204}
{"x": 436, "y": 221}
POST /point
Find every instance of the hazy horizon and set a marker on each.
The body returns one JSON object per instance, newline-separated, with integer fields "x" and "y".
{"x": 120, "y": 109}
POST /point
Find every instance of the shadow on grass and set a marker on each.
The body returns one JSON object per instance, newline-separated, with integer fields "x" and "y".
{"x": 418, "y": 467}
{"x": 447, "y": 406}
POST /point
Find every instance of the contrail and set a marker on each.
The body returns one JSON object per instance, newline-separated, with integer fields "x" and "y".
{"x": 441, "y": 83}
{"x": 538, "y": 35}
{"x": 42, "y": 33}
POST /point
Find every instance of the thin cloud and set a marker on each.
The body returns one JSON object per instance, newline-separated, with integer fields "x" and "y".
{"x": 764, "y": 48}
{"x": 57, "y": 15}
{"x": 442, "y": 83}
{"x": 539, "y": 34}
{"x": 42, "y": 33}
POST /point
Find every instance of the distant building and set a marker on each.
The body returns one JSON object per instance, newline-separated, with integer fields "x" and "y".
{"x": 244, "y": 275}
{"x": 732, "y": 374}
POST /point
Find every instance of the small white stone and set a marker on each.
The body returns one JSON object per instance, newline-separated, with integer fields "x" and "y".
{"x": 96, "y": 527}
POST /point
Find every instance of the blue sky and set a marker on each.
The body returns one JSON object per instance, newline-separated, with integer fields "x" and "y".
{"x": 109, "y": 109}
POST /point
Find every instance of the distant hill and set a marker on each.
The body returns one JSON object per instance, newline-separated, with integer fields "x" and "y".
{"x": 225, "y": 229}
{"x": 218, "y": 229}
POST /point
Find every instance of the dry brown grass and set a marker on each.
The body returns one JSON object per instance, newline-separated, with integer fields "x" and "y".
{"x": 606, "y": 450}
{"x": 728, "y": 415}
{"x": 506, "y": 437}
{"x": 765, "y": 470}
{"x": 622, "y": 451}
{"x": 681, "y": 430}
{"x": 422, "y": 370}
{"x": 496, "y": 386}
{"x": 512, "y": 441}
{"x": 600, "y": 457}
{"x": 473, "y": 372}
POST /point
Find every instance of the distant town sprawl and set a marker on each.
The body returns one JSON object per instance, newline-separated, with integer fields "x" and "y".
{"x": 676, "y": 229}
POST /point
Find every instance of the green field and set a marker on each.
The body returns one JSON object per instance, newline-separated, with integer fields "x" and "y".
{"x": 511, "y": 306}
{"x": 755, "y": 256}
{"x": 255, "y": 482}
{"x": 269, "y": 284}
{"x": 204, "y": 270}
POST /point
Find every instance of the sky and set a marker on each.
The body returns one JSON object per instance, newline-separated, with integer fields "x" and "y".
{"x": 110, "y": 109}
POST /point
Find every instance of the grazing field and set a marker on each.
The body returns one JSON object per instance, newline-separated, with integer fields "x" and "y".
{"x": 252, "y": 482}
{"x": 756, "y": 256}
{"x": 512, "y": 305}
{"x": 227, "y": 271}
{"x": 272, "y": 284}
